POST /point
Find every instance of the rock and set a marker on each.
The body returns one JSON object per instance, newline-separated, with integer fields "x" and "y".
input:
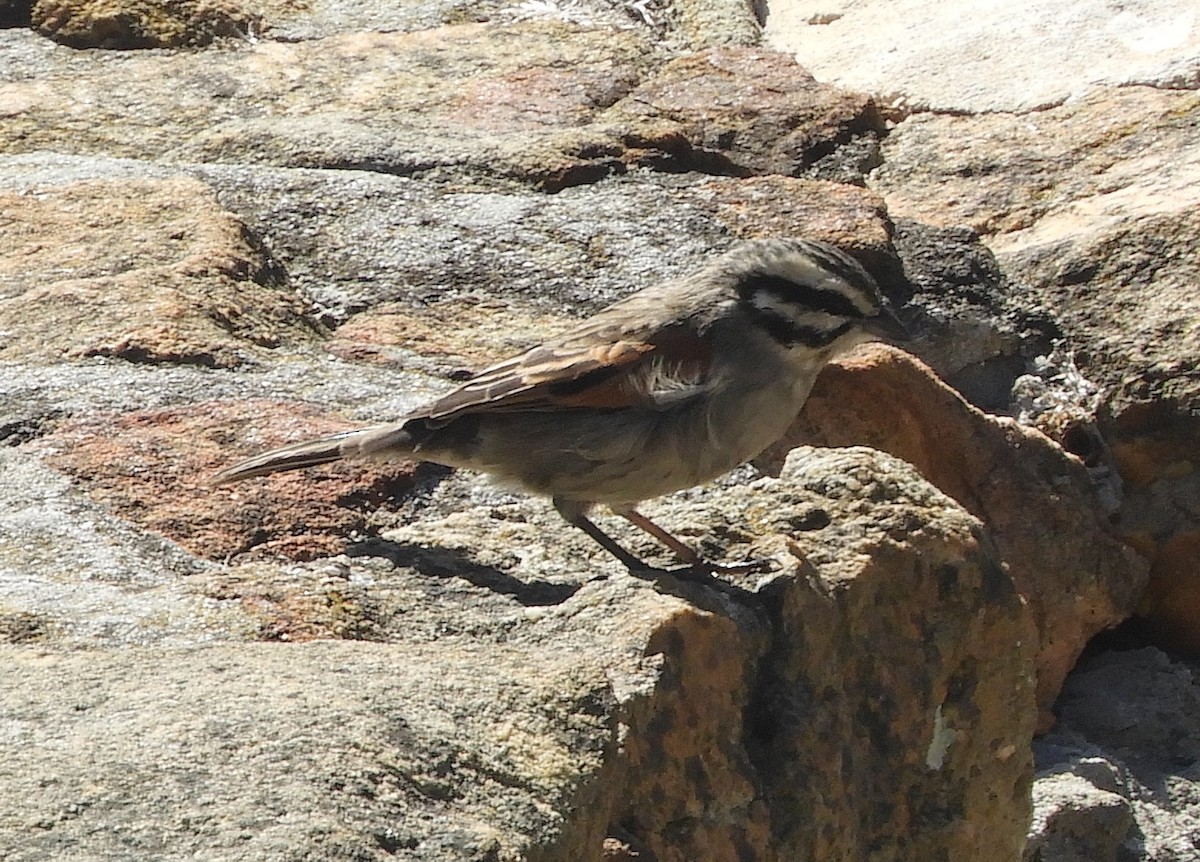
{"x": 709, "y": 23}
{"x": 1117, "y": 778}
{"x": 959, "y": 645}
{"x": 336, "y": 750}
{"x": 464, "y": 333}
{"x": 1138, "y": 705}
{"x": 295, "y": 22}
{"x": 1126, "y": 300}
{"x": 1094, "y": 226}
{"x": 1172, "y": 598}
{"x": 120, "y": 24}
{"x": 73, "y": 575}
{"x": 435, "y": 183}
{"x": 474, "y": 705}
{"x": 385, "y": 102}
{"x": 1009, "y": 176}
{"x": 1129, "y": 306}
{"x": 523, "y": 120}
{"x": 976, "y": 57}
{"x": 1075, "y": 820}
{"x": 150, "y": 271}
{"x": 1037, "y": 502}
{"x": 975, "y": 326}
{"x": 126, "y": 24}
{"x": 1092, "y": 231}
{"x": 738, "y": 112}
{"x": 152, "y": 468}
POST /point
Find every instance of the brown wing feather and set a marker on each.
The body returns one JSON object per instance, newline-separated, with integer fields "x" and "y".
{"x": 578, "y": 372}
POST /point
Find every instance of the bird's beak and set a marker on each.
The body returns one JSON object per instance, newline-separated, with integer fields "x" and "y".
{"x": 886, "y": 326}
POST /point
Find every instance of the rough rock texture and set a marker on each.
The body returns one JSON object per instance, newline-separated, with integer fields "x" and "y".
{"x": 467, "y": 104}
{"x": 740, "y": 112}
{"x": 105, "y": 24}
{"x": 951, "y": 57}
{"x": 939, "y": 676}
{"x": 1083, "y": 171}
{"x": 1075, "y": 819}
{"x": 479, "y": 99}
{"x": 1117, "y": 778}
{"x": 1080, "y": 170}
{"x": 1097, "y": 223}
{"x": 1039, "y": 505}
{"x": 458, "y": 720}
{"x": 151, "y": 271}
{"x": 136, "y": 466}
{"x": 1129, "y": 298}
{"x": 979, "y": 328}
{"x": 328, "y": 214}
{"x": 1012, "y": 173}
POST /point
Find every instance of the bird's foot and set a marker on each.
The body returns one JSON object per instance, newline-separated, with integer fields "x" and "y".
{"x": 703, "y": 571}
{"x": 750, "y": 567}
{"x": 712, "y": 570}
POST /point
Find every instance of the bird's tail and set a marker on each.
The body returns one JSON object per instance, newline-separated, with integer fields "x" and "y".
{"x": 383, "y": 441}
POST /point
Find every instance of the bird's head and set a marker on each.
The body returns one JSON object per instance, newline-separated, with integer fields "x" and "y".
{"x": 809, "y": 294}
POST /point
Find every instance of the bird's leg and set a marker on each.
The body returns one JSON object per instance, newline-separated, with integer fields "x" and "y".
{"x": 687, "y": 554}
{"x": 574, "y": 514}
{"x": 643, "y": 523}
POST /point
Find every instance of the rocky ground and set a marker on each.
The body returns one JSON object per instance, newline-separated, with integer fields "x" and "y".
{"x": 229, "y": 226}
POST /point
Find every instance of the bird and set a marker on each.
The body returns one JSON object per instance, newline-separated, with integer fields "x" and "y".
{"x": 670, "y": 387}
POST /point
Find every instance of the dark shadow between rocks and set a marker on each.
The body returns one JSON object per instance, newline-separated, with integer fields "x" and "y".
{"x": 448, "y": 562}
{"x": 16, "y": 14}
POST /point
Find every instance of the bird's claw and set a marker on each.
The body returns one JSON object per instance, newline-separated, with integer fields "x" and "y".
{"x": 705, "y": 571}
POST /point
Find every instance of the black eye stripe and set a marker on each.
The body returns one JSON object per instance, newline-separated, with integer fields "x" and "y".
{"x": 803, "y": 295}
{"x": 789, "y": 333}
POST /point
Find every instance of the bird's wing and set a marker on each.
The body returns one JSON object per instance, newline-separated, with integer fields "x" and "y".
{"x": 594, "y": 367}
